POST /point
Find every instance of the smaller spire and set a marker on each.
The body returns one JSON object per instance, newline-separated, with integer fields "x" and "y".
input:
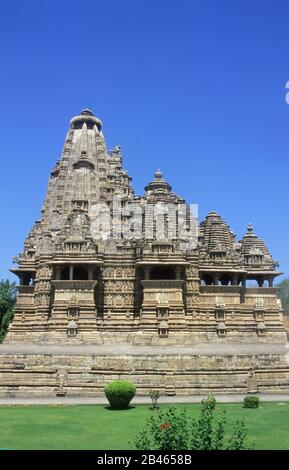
{"x": 250, "y": 228}
{"x": 159, "y": 183}
{"x": 213, "y": 214}
{"x": 86, "y": 116}
{"x": 158, "y": 175}
{"x": 86, "y": 112}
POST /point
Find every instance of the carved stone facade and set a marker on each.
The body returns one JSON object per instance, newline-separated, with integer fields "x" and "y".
{"x": 112, "y": 287}
{"x": 84, "y": 254}
{"x": 78, "y": 372}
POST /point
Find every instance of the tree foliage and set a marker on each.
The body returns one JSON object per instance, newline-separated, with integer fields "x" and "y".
{"x": 7, "y": 302}
{"x": 172, "y": 429}
{"x": 283, "y": 294}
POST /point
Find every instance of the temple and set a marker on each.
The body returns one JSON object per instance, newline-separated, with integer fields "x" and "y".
{"x": 103, "y": 266}
{"x": 76, "y": 285}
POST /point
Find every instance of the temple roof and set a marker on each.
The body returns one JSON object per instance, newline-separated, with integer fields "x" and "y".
{"x": 216, "y": 235}
{"x": 253, "y": 245}
{"x": 88, "y": 176}
{"x": 86, "y": 116}
{"x": 158, "y": 184}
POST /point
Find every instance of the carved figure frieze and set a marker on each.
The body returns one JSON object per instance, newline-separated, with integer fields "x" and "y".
{"x": 44, "y": 272}
{"x": 192, "y": 271}
{"x": 42, "y": 286}
{"x": 42, "y": 300}
{"x": 122, "y": 286}
{"x": 77, "y": 295}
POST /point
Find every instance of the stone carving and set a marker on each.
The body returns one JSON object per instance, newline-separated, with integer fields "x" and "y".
{"x": 122, "y": 286}
{"x": 193, "y": 286}
{"x": 108, "y": 272}
{"x": 192, "y": 300}
{"x": 42, "y": 286}
{"x": 44, "y": 272}
{"x": 192, "y": 272}
{"x": 252, "y": 383}
{"x": 128, "y": 272}
{"x": 73, "y": 295}
{"x": 25, "y": 300}
{"x": 119, "y": 272}
{"x": 42, "y": 300}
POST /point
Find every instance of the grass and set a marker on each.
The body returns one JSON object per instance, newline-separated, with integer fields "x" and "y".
{"x": 98, "y": 427}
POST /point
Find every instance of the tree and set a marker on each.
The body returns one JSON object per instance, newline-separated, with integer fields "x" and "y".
{"x": 172, "y": 429}
{"x": 7, "y": 302}
{"x": 283, "y": 294}
{"x": 155, "y": 395}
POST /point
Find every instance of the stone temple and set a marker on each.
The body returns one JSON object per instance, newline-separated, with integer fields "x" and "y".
{"x": 114, "y": 285}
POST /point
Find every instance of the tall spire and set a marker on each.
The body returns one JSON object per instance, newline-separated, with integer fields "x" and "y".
{"x": 81, "y": 172}
{"x": 87, "y": 116}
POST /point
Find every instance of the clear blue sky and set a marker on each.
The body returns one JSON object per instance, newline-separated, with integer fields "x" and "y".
{"x": 196, "y": 88}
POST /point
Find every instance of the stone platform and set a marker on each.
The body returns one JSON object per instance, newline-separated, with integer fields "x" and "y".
{"x": 79, "y": 370}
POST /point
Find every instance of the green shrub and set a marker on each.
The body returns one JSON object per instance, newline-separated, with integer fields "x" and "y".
{"x": 172, "y": 429}
{"x": 251, "y": 402}
{"x": 167, "y": 430}
{"x": 210, "y": 401}
{"x": 119, "y": 393}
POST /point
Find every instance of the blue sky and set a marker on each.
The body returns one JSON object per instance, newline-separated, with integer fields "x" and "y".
{"x": 196, "y": 88}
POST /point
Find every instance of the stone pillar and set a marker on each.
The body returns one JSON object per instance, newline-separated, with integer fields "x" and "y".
{"x": 216, "y": 279}
{"x": 58, "y": 273}
{"x": 71, "y": 272}
{"x": 271, "y": 282}
{"x": 90, "y": 273}
{"x": 147, "y": 272}
{"x": 234, "y": 279}
{"x": 178, "y": 272}
{"x": 244, "y": 282}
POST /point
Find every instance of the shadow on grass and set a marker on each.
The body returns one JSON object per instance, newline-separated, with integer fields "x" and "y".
{"x": 123, "y": 408}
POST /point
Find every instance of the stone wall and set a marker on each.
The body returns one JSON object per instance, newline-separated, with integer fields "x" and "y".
{"x": 51, "y": 374}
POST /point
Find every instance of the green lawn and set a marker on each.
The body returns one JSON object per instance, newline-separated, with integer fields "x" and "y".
{"x": 97, "y": 427}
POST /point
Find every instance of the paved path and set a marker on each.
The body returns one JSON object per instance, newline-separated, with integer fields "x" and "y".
{"x": 206, "y": 349}
{"x": 236, "y": 398}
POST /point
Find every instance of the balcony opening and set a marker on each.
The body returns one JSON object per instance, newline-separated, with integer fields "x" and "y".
{"x": 162, "y": 273}
{"x": 225, "y": 280}
{"x": 207, "y": 280}
{"x": 65, "y": 274}
{"x": 80, "y": 274}
{"x": 73, "y": 273}
{"x": 28, "y": 280}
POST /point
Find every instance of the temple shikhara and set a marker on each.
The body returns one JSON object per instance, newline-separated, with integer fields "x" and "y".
{"x": 115, "y": 285}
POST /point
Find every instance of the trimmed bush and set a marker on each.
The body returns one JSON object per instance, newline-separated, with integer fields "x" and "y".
{"x": 119, "y": 393}
{"x": 251, "y": 402}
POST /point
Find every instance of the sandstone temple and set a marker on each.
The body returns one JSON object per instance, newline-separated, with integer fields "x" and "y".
{"x": 115, "y": 285}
